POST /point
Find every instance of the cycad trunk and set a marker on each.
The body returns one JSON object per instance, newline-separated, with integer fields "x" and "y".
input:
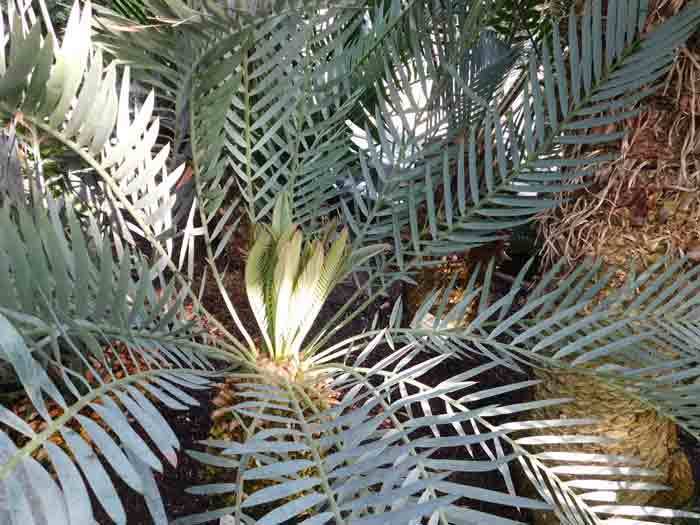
{"x": 639, "y": 431}
{"x": 643, "y": 206}
{"x": 439, "y": 277}
{"x": 235, "y": 428}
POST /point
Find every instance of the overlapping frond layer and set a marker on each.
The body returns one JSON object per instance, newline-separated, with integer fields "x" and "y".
{"x": 94, "y": 345}
{"x": 480, "y": 182}
{"x": 259, "y": 103}
{"x": 66, "y": 91}
{"x": 397, "y": 444}
{"x": 638, "y": 343}
{"x": 284, "y": 129}
{"x": 48, "y": 274}
{"x": 642, "y": 338}
{"x": 256, "y": 103}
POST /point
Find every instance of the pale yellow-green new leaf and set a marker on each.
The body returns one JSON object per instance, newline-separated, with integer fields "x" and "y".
{"x": 335, "y": 263}
{"x": 289, "y": 255}
{"x": 326, "y": 275}
{"x": 282, "y": 215}
{"x": 304, "y": 298}
{"x": 255, "y": 276}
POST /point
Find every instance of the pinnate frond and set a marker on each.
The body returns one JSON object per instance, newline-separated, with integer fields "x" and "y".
{"x": 469, "y": 185}
{"x": 384, "y": 451}
{"x": 66, "y": 91}
{"x": 94, "y": 348}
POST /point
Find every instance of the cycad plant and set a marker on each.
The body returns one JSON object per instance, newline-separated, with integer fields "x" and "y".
{"x": 255, "y": 112}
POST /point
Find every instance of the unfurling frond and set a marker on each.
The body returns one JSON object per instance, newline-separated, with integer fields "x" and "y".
{"x": 289, "y": 279}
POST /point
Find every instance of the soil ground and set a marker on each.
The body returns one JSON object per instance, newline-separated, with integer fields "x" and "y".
{"x": 195, "y": 424}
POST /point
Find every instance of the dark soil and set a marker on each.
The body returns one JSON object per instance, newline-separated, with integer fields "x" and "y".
{"x": 194, "y": 425}
{"x": 190, "y": 426}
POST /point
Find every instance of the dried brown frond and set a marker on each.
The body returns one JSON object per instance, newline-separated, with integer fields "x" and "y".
{"x": 642, "y": 206}
{"x": 645, "y": 204}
